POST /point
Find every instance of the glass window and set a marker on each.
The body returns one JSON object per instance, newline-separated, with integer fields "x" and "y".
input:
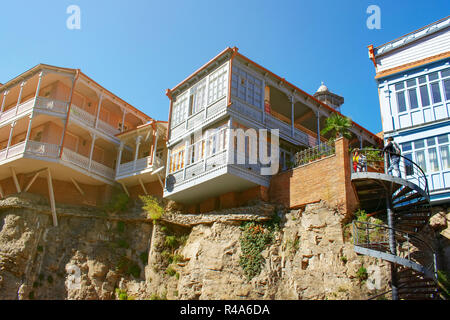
{"x": 418, "y": 144}
{"x": 424, "y": 96}
{"x": 443, "y": 139}
{"x": 409, "y": 169}
{"x": 401, "y": 101}
{"x": 445, "y": 73}
{"x": 436, "y": 92}
{"x": 413, "y": 103}
{"x": 399, "y": 86}
{"x": 445, "y": 157}
{"x": 420, "y": 160}
{"x": 431, "y": 142}
{"x": 406, "y": 146}
{"x": 434, "y": 164}
{"x": 447, "y": 89}
{"x": 433, "y": 76}
{"x": 422, "y": 79}
{"x": 411, "y": 83}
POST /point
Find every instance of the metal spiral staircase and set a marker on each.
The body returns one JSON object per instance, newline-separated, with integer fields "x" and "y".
{"x": 402, "y": 203}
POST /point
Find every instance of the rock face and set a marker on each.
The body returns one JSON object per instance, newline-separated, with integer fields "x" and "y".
{"x": 90, "y": 256}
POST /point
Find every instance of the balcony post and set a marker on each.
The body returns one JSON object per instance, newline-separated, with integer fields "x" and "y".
{"x": 155, "y": 147}
{"x": 10, "y": 138}
{"x": 27, "y": 138}
{"x": 20, "y": 95}
{"x": 292, "y": 117}
{"x": 4, "y": 100}
{"x": 318, "y": 127}
{"x": 94, "y": 137}
{"x": 119, "y": 157}
{"x": 38, "y": 88}
{"x": 98, "y": 110}
{"x": 136, "y": 154}
{"x": 186, "y": 157}
{"x": 122, "y": 129}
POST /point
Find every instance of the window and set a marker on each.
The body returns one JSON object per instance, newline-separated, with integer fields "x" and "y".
{"x": 432, "y": 155}
{"x": 179, "y": 110}
{"x": 422, "y": 91}
{"x": 436, "y": 92}
{"x": 401, "y": 101}
{"x": 197, "y": 98}
{"x": 247, "y": 87}
{"x": 218, "y": 84}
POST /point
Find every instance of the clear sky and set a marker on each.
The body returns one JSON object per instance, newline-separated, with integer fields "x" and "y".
{"x": 139, "y": 48}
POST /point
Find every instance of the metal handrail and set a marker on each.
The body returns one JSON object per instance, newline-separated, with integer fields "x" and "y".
{"x": 376, "y": 160}
{"x": 376, "y": 237}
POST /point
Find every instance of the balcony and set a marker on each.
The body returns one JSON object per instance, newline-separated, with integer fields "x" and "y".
{"x": 86, "y": 164}
{"x": 87, "y": 119}
{"x": 30, "y": 149}
{"x": 137, "y": 167}
{"x": 40, "y": 104}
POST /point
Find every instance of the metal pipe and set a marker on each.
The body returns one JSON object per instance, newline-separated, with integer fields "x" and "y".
{"x": 392, "y": 243}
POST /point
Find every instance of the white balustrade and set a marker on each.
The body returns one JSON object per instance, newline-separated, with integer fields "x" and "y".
{"x": 51, "y": 105}
{"x": 42, "y": 149}
{"x": 75, "y": 158}
{"x": 82, "y": 115}
{"x": 107, "y": 128}
{"x": 16, "y": 149}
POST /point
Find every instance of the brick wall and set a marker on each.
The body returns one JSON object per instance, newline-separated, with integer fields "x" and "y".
{"x": 327, "y": 179}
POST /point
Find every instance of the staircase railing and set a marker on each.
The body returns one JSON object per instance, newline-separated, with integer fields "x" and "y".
{"x": 376, "y": 160}
{"x": 411, "y": 251}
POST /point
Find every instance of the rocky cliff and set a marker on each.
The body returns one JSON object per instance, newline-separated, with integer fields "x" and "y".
{"x": 93, "y": 255}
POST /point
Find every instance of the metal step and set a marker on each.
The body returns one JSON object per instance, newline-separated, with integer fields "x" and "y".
{"x": 407, "y": 198}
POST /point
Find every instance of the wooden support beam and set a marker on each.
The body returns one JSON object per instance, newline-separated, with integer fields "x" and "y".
{"x": 31, "y": 181}
{"x": 2, "y": 194}
{"x": 77, "y": 186}
{"x": 125, "y": 188}
{"x": 16, "y": 182}
{"x": 306, "y": 116}
{"x": 52, "y": 198}
{"x": 143, "y": 186}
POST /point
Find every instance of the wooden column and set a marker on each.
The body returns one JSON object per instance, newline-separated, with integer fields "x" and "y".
{"x": 119, "y": 156}
{"x": 98, "y": 110}
{"x": 27, "y": 138}
{"x": 136, "y": 153}
{"x": 20, "y": 95}
{"x": 91, "y": 152}
{"x": 155, "y": 147}
{"x": 10, "y": 138}
{"x": 4, "y": 100}
{"x": 122, "y": 129}
{"x": 318, "y": 127}
{"x": 52, "y": 198}
{"x": 292, "y": 117}
{"x": 38, "y": 88}
{"x": 16, "y": 182}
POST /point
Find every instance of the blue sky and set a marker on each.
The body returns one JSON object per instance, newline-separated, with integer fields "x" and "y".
{"x": 139, "y": 48}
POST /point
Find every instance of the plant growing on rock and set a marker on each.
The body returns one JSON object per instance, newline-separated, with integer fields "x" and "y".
{"x": 153, "y": 208}
{"x": 256, "y": 237}
{"x": 119, "y": 203}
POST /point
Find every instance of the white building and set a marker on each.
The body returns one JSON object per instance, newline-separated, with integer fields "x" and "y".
{"x": 413, "y": 78}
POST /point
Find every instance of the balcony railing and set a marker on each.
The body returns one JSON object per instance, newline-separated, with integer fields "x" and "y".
{"x": 313, "y": 154}
{"x": 51, "y": 105}
{"x": 84, "y": 163}
{"x": 42, "y": 149}
{"x": 378, "y": 161}
{"x": 36, "y": 148}
{"x": 89, "y": 120}
{"x": 140, "y": 164}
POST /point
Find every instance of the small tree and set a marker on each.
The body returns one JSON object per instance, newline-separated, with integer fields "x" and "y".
{"x": 152, "y": 207}
{"x": 338, "y": 125}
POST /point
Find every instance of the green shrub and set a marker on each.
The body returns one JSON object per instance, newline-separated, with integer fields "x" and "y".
{"x": 170, "y": 271}
{"x": 362, "y": 274}
{"x": 444, "y": 283}
{"x": 256, "y": 236}
{"x": 171, "y": 241}
{"x": 120, "y": 226}
{"x": 151, "y": 205}
{"x": 122, "y": 243}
